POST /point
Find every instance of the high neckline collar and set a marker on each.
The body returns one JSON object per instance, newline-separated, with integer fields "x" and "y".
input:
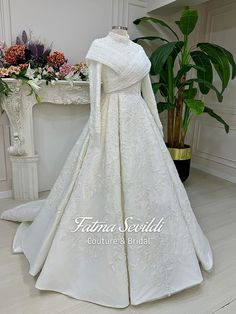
{"x": 119, "y": 37}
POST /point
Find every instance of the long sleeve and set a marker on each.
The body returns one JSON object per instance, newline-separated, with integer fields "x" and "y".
{"x": 149, "y": 98}
{"x": 95, "y": 100}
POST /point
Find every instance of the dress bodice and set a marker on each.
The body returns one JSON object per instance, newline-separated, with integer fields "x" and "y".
{"x": 111, "y": 84}
{"x": 117, "y": 65}
{"x": 124, "y": 62}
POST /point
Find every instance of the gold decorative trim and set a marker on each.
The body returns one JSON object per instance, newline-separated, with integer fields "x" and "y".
{"x": 180, "y": 153}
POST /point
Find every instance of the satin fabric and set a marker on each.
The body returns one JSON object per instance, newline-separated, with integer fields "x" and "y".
{"x": 119, "y": 167}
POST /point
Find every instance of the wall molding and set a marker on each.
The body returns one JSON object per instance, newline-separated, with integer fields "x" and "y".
{"x": 216, "y": 162}
{"x": 5, "y": 168}
{"x": 221, "y": 159}
{"x": 121, "y": 9}
{"x": 213, "y": 171}
{"x": 6, "y": 194}
{"x": 117, "y": 9}
{"x": 5, "y": 22}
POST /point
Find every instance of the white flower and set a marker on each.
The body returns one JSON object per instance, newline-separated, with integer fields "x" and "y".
{"x": 69, "y": 76}
{"x": 76, "y": 77}
{"x": 34, "y": 83}
{"x": 69, "y": 79}
{"x": 53, "y": 82}
{"x": 30, "y": 72}
{"x": 84, "y": 71}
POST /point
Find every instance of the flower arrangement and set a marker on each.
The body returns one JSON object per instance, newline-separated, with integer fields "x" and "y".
{"x": 31, "y": 61}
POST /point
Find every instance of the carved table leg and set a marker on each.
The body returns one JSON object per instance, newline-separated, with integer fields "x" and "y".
{"x": 25, "y": 178}
{"x": 22, "y": 155}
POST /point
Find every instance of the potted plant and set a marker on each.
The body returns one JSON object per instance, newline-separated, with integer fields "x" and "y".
{"x": 172, "y": 63}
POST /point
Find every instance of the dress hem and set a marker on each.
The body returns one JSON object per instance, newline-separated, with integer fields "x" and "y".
{"x": 122, "y": 306}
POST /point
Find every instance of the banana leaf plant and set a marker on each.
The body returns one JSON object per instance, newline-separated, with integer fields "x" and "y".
{"x": 172, "y": 63}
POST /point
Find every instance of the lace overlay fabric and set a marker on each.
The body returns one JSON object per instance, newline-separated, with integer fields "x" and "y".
{"x": 119, "y": 167}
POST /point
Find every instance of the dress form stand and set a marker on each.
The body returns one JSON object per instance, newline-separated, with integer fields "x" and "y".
{"x": 120, "y": 30}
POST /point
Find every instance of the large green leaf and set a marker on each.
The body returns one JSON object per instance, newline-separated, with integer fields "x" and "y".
{"x": 201, "y": 59}
{"x": 219, "y": 60}
{"x": 178, "y": 47}
{"x": 173, "y": 55}
{"x": 196, "y": 106}
{"x": 161, "y": 54}
{"x": 161, "y": 106}
{"x": 188, "y": 21}
{"x": 164, "y": 73}
{"x": 155, "y": 21}
{"x": 217, "y": 117}
{"x": 151, "y": 38}
{"x": 190, "y": 81}
{"x": 230, "y": 58}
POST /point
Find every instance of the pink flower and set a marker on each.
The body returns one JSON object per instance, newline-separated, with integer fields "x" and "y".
{"x": 50, "y": 69}
{"x": 65, "y": 69}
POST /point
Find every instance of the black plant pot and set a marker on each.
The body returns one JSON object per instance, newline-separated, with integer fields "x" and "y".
{"x": 182, "y": 159}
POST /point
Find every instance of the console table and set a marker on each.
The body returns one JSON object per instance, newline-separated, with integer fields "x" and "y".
{"x": 18, "y": 107}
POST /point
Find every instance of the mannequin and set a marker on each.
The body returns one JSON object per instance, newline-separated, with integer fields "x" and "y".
{"x": 121, "y": 30}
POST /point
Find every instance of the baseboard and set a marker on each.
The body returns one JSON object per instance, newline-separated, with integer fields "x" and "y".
{"x": 214, "y": 172}
{"x": 6, "y": 194}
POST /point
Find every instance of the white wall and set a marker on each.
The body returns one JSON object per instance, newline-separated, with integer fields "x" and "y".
{"x": 71, "y": 25}
{"x": 214, "y": 151}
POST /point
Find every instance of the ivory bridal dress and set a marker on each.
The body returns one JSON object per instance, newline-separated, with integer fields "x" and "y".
{"x": 119, "y": 172}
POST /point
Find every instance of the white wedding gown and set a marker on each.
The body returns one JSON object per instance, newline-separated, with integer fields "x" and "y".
{"x": 119, "y": 167}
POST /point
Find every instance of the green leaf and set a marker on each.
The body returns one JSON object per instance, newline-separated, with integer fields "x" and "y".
{"x": 38, "y": 98}
{"x": 196, "y": 106}
{"x": 190, "y": 93}
{"x": 161, "y": 106}
{"x": 189, "y": 82}
{"x": 219, "y": 61}
{"x": 4, "y": 88}
{"x": 31, "y": 91}
{"x": 155, "y": 21}
{"x": 151, "y": 38}
{"x": 201, "y": 59}
{"x": 173, "y": 55}
{"x": 156, "y": 86}
{"x": 185, "y": 69}
{"x": 22, "y": 72}
{"x": 163, "y": 87}
{"x": 160, "y": 56}
{"x": 178, "y": 47}
{"x": 217, "y": 117}
{"x": 188, "y": 21}
{"x": 230, "y": 58}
